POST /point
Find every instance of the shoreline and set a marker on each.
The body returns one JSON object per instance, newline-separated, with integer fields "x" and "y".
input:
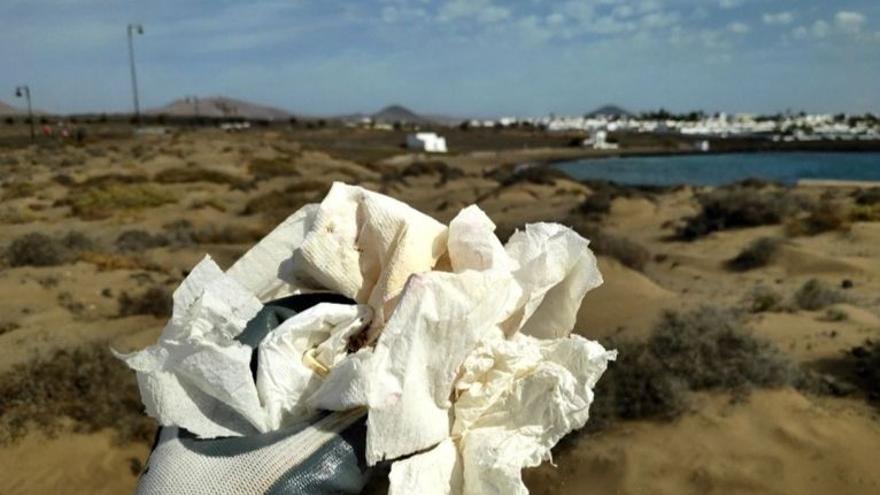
{"x": 872, "y": 147}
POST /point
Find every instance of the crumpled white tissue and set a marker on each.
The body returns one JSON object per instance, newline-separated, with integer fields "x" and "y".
{"x": 469, "y": 367}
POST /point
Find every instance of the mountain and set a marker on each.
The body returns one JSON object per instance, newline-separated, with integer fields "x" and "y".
{"x": 221, "y": 106}
{"x": 399, "y": 113}
{"x": 609, "y": 111}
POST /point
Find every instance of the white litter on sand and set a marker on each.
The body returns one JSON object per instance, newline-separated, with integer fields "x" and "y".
{"x": 468, "y": 365}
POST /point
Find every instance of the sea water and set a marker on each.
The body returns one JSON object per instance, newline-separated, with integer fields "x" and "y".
{"x": 717, "y": 169}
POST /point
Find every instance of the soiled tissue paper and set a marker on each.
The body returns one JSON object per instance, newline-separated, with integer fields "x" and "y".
{"x": 467, "y": 364}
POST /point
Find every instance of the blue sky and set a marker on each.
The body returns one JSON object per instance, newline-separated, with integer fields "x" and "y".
{"x": 460, "y": 57}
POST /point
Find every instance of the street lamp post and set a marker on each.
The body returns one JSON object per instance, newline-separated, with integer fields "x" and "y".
{"x": 25, "y": 91}
{"x": 131, "y": 30}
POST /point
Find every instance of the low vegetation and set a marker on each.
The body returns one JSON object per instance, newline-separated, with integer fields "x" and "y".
{"x": 762, "y": 299}
{"x": 94, "y": 203}
{"x": 268, "y": 168}
{"x": 706, "y": 349}
{"x": 866, "y": 366}
{"x": 154, "y": 301}
{"x": 139, "y": 240}
{"x": 827, "y": 216}
{"x": 442, "y": 169}
{"x": 740, "y": 206}
{"x": 277, "y": 205}
{"x": 87, "y": 385}
{"x": 185, "y": 175}
{"x": 38, "y": 249}
{"x": 628, "y": 252}
{"x": 867, "y": 197}
{"x": 815, "y": 295}
{"x": 757, "y": 254}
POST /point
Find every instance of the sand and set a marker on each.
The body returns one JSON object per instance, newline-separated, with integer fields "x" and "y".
{"x": 776, "y": 441}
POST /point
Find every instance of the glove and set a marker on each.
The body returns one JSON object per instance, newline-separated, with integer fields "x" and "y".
{"x": 324, "y": 455}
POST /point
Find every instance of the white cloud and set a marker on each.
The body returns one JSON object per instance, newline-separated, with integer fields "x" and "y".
{"x": 484, "y": 11}
{"x": 555, "y": 19}
{"x": 820, "y": 29}
{"x": 850, "y": 22}
{"x": 738, "y": 28}
{"x": 779, "y": 18}
{"x": 730, "y": 4}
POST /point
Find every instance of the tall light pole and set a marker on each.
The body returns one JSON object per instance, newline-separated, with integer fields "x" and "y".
{"x": 131, "y": 30}
{"x": 25, "y": 91}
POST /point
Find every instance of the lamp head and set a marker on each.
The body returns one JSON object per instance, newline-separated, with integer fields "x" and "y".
{"x": 18, "y": 92}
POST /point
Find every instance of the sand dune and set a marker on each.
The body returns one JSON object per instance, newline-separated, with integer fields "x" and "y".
{"x": 777, "y": 442}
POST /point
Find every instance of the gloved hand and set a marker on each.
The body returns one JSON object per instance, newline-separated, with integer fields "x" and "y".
{"x": 324, "y": 455}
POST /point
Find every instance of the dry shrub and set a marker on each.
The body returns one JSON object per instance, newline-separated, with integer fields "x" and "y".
{"x": 762, "y": 299}
{"x": 815, "y": 295}
{"x": 8, "y": 326}
{"x": 38, "y": 249}
{"x": 419, "y": 168}
{"x": 139, "y": 240}
{"x": 184, "y": 233}
{"x": 757, "y": 254}
{"x": 154, "y": 301}
{"x": 112, "y": 179}
{"x": 267, "y": 168}
{"x": 531, "y": 174}
{"x": 865, "y": 213}
{"x": 867, "y": 197}
{"x": 213, "y": 203}
{"x": 629, "y": 253}
{"x": 867, "y": 368}
{"x": 705, "y": 349}
{"x": 102, "y": 202}
{"x": 597, "y": 204}
{"x": 739, "y": 207}
{"x": 18, "y": 189}
{"x": 86, "y": 384}
{"x": 229, "y": 234}
{"x": 826, "y": 217}
{"x": 35, "y": 249}
{"x": 109, "y": 261}
{"x": 185, "y": 175}
{"x": 280, "y": 204}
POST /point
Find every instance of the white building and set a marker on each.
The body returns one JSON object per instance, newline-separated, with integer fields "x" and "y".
{"x": 600, "y": 141}
{"x": 426, "y": 141}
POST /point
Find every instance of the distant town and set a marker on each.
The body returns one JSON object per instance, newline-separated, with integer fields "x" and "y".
{"x": 797, "y": 127}
{"x": 598, "y": 127}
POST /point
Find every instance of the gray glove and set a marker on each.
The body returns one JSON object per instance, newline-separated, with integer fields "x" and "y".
{"x": 324, "y": 455}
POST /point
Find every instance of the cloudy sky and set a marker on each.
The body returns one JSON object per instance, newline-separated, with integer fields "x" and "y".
{"x": 461, "y": 57}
